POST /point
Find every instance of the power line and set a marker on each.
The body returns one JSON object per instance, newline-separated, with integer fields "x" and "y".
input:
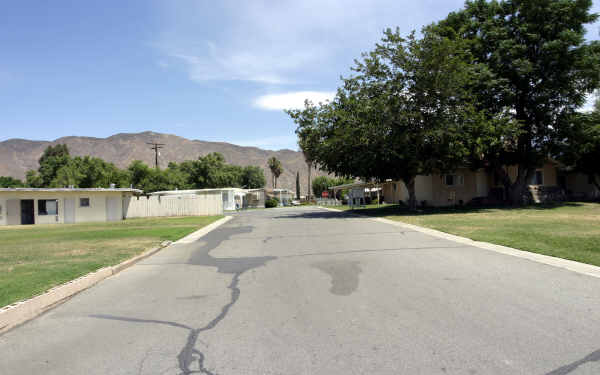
{"x": 156, "y": 147}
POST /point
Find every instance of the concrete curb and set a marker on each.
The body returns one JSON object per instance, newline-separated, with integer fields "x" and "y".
{"x": 23, "y": 311}
{"x": 581, "y": 268}
{"x": 201, "y": 232}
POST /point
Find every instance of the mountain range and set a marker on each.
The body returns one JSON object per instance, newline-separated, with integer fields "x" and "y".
{"x": 17, "y": 156}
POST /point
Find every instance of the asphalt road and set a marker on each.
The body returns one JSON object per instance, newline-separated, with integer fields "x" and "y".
{"x": 306, "y": 291}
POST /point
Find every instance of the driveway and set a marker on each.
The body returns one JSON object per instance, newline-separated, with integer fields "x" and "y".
{"x": 307, "y": 291}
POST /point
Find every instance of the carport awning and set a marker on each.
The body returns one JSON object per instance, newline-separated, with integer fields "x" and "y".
{"x": 354, "y": 186}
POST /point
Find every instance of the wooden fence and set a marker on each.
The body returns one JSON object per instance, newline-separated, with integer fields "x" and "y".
{"x": 179, "y": 205}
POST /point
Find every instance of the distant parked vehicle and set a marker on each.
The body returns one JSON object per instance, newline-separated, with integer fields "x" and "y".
{"x": 295, "y": 203}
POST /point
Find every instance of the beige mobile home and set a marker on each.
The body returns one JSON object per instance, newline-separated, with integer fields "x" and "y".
{"x": 61, "y": 205}
{"x": 442, "y": 190}
{"x": 464, "y": 185}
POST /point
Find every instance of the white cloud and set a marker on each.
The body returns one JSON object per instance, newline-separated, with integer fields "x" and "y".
{"x": 281, "y": 42}
{"x": 292, "y": 100}
{"x": 270, "y": 142}
{"x": 284, "y": 41}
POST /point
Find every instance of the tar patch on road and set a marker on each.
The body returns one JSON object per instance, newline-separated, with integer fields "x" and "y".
{"x": 344, "y": 275}
{"x": 567, "y": 369}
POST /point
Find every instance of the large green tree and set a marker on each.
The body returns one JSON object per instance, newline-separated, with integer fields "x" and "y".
{"x": 138, "y": 172}
{"x": 10, "y": 182}
{"x": 159, "y": 180}
{"x": 581, "y": 150}
{"x": 211, "y": 171}
{"x": 90, "y": 172}
{"x": 321, "y": 184}
{"x": 150, "y": 180}
{"x": 53, "y": 158}
{"x": 253, "y": 177}
{"x": 407, "y": 111}
{"x": 535, "y": 68}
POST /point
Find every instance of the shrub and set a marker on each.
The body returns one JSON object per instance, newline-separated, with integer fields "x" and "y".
{"x": 270, "y": 203}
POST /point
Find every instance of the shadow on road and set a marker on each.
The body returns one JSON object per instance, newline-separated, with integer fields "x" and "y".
{"x": 321, "y": 214}
{"x": 402, "y": 210}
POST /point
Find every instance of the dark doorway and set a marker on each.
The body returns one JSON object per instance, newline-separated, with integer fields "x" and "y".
{"x": 562, "y": 181}
{"x": 27, "y": 212}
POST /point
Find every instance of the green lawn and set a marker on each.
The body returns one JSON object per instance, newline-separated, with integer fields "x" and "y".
{"x": 36, "y": 258}
{"x": 567, "y": 230}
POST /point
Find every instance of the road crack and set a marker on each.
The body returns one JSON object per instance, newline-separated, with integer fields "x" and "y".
{"x": 189, "y": 354}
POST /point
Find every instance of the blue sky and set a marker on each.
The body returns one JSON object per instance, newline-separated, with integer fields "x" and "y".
{"x": 209, "y": 70}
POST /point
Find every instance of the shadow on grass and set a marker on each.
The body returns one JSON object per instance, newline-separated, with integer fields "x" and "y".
{"x": 401, "y": 210}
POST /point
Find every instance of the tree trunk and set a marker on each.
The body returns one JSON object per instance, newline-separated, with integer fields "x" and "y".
{"x": 516, "y": 191}
{"x": 308, "y": 190}
{"x": 595, "y": 182}
{"x": 412, "y": 196}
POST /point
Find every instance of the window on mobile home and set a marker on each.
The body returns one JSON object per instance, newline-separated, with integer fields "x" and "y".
{"x": 47, "y": 207}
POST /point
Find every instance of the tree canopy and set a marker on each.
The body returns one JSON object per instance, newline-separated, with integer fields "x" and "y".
{"x": 406, "y": 111}
{"x": 53, "y": 158}
{"x": 59, "y": 169}
{"x": 9, "y": 182}
{"x": 323, "y": 183}
{"x": 581, "y": 150}
{"x": 89, "y": 172}
{"x": 535, "y": 68}
{"x": 493, "y": 85}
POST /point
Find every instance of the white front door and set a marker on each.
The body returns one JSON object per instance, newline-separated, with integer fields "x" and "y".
{"x": 13, "y": 212}
{"x": 69, "y": 210}
{"x": 482, "y": 185}
{"x": 113, "y": 205}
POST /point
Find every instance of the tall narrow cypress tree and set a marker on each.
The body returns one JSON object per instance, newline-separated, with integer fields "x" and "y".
{"x": 297, "y": 185}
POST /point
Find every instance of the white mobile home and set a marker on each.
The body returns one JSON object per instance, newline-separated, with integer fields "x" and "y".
{"x": 284, "y": 196}
{"x": 61, "y": 205}
{"x": 233, "y": 198}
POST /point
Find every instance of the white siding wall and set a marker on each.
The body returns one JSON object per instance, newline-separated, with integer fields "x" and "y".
{"x": 3, "y": 211}
{"x": 423, "y": 189}
{"x": 95, "y": 212}
{"x": 482, "y": 183}
{"x": 177, "y": 205}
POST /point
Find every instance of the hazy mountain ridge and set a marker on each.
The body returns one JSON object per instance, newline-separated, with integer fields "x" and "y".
{"x": 19, "y": 155}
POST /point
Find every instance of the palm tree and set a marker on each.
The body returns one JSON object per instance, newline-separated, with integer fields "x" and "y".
{"x": 276, "y": 169}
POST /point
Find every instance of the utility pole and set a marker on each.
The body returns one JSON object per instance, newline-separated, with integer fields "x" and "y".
{"x": 155, "y": 147}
